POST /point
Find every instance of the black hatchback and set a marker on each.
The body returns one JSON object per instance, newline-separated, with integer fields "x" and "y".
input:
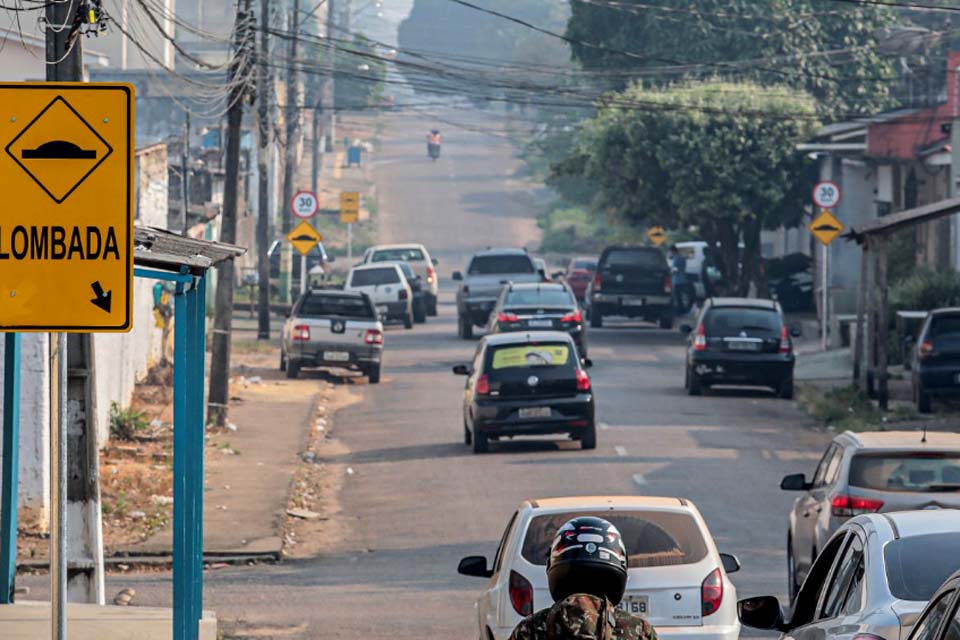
{"x": 740, "y": 341}
{"x": 530, "y": 383}
{"x": 936, "y": 361}
{"x": 539, "y": 306}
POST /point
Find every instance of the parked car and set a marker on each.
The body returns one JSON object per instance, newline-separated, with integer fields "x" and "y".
{"x": 579, "y": 273}
{"x": 415, "y": 282}
{"x": 419, "y": 258}
{"x": 676, "y": 578}
{"x": 486, "y": 274}
{"x": 633, "y": 282}
{"x": 940, "y": 619}
{"x": 538, "y": 307}
{"x": 870, "y": 581}
{"x": 936, "y": 361}
{"x": 530, "y": 383}
{"x": 334, "y": 329}
{"x": 739, "y": 341}
{"x": 316, "y": 258}
{"x": 387, "y": 288}
{"x": 865, "y": 473}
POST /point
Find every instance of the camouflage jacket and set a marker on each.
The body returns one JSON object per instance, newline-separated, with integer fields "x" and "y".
{"x": 583, "y": 617}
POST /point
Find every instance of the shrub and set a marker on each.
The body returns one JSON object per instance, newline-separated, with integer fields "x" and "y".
{"x": 125, "y": 423}
{"x": 924, "y": 290}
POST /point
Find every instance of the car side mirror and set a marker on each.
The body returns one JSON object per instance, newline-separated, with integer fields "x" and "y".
{"x": 686, "y": 329}
{"x": 435, "y": 261}
{"x": 457, "y": 275}
{"x": 558, "y": 274}
{"x": 796, "y": 330}
{"x": 587, "y": 363}
{"x": 461, "y": 370}
{"x": 795, "y": 482}
{"x": 331, "y": 258}
{"x": 761, "y": 612}
{"x": 731, "y": 564}
{"x": 475, "y": 567}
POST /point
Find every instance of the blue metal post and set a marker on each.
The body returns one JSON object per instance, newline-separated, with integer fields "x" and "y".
{"x": 195, "y": 452}
{"x": 181, "y": 444}
{"x": 11, "y": 460}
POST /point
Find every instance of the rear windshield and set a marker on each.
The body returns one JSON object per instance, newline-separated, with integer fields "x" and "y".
{"x": 918, "y": 565}
{"x": 731, "y": 321}
{"x": 346, "y": 306}
{"x": 371, "y": 277}
{"x": 488, "y": 265}
{"x": 541, "y": 298}
{"x": 529, "y": 356}
{"x": 906, "y": 472}
{"x": 644, "y": 258}
{"x": 397, "y": 255}
{"x": 945, "y": 326}
{"x": 652, "y": 539}
{"x": 589, "y": 265}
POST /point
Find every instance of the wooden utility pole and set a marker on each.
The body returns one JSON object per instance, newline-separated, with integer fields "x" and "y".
{"x": 217, "y": 404}
{"x": 263, "y": 183}
{"x": 292, "y": 115}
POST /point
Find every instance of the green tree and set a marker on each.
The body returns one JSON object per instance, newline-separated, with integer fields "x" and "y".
{"x": 719, "y": 157}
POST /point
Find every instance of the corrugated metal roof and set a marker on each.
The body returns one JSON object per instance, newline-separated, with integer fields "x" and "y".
{"x": 162, "y": 249}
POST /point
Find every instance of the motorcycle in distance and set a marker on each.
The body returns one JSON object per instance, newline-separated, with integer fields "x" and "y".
{"x": 433, "y": 144}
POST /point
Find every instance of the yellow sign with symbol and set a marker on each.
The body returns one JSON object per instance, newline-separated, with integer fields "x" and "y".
{"x": 304, "y": 237}
{"x": 825, "y": 227}
{"x": 66, "y": 227}
{"x": 657, "y": 235}
{"x": 349, "y": 207}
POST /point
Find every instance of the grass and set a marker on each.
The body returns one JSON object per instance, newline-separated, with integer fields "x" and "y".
{"x": 849, "y": 409}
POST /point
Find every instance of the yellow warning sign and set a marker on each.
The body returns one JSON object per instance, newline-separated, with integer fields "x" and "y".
{"x": 349, "y": 207}
{"x": 656, "y": 235}
{"x": 66, "y": 227}
{"x": 825, "y": 227}
{"x": 304, "y": 237}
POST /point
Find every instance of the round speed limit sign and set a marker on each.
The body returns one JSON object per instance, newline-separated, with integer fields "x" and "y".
{"x": 304, "y": 204}
{"x": 826, "y": 195}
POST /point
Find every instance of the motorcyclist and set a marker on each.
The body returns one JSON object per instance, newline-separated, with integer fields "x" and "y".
{"x": 433, "y": 144}
{"x": 587, "y": 574}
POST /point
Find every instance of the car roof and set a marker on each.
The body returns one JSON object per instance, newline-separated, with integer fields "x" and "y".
{"x": 901, "y": 440}
{"x": 611, "y": 502}
{"x": 524, "y": 286}
{"x": 753, "y": 303}
{"x": 375, "y": 265}
{"x": 385, "y": 247}
{"x": 916, "y": 523}
{"x": 523, "y": 337}
{"x": 340, "y": 293}
{"x": 630, "y": 247}
{"x": 502, "y": 252}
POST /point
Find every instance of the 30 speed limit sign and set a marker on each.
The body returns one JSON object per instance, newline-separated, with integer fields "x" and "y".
{"x": 826, "y": 195}
{"x": 304, "y": 204}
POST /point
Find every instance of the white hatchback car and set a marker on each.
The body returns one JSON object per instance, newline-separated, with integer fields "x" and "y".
{"x": 419, "y": 258}
{"x": 676, "y": 577}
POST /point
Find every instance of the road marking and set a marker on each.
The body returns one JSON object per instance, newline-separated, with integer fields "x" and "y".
{"x": 604, "y": 426}
{"x": 639, "y": 480}
{"x": 765, "y": 454}
{"x": 621, "y": 451}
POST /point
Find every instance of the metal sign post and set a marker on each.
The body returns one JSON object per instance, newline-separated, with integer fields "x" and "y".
{"x": 58, "y": 484}
{"x": 349, "y": 213}
{"x": 825, "y": 298}
{"x": 825, "y": 228}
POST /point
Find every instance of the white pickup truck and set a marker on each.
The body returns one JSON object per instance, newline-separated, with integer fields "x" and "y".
{"x": 333, "y": 329}
{"x": 388, "y": 289}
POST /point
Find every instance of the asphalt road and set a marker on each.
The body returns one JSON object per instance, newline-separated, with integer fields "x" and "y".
{"x": 419, "y": 499}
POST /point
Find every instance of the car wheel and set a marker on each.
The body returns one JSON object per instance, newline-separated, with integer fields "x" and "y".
{"x": 283, "y": 361}
{"x": 792, "y": 587}
{"x": 923, "y": 400}
{"x": 786, "y": 389}
{"x": 432, "y": 309}
{"x": 408, "y": 321}
{"x": 596, "y": 319}
{"x": 293, "y": 369}
{"x": 466, "y": 329}
{"x": 666, "y": 321}
{"x": 467, "y": 436}
{"x": 480, "y": 443}
{"x": 419, "y": 313}
{"x": 373, "y": 374}
{"x": 694, "y": 386}
{"x": 588, "y": 439}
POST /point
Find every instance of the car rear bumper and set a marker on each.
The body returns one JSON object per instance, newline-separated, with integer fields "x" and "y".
{"x": 940, "y": 381}
{"x": 313, "y": 355}
{"x": 631, "y": 305}
{"x": 393, "y": 310}
{"x": 707, "y": 632}
{"x": 570, "y": 415}
{"x": 766, "y": 370}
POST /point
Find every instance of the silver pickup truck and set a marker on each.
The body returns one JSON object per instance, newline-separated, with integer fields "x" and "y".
{"x": 334, "y": 329}
{"x": 486, "y": 274}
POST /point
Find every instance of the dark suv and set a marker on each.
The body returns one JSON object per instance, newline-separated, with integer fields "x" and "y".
{"x": 936, "y": 360}
{"x": 633, "y": 282}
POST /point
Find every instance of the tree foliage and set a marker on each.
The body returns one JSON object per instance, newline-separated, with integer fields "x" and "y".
{"x": 716, "y": 156}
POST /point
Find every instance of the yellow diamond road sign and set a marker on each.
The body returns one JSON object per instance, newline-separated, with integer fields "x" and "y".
{"x": 825, "y": 227}
{"x": 304, "y": 237}
{"x": 349, "y": 207}
{"x": 656, "y": 235}
{"x": 66, "y": 227}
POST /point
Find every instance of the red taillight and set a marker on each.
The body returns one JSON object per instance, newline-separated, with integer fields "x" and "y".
{"x": 521, "y": 594}
{"x": 373, "y": 336}
{"x": 700, "y": 341}
{"x": 711, "y": 592}
{"x": 583, "y": 380}
{"x": 668, "y": 283}
{"x": 844, "y": 506}
{"x": 507, "y": 317}
{"x": 926, "y": 349}
{"x": 576, "y": 317}
{"x": 301, "y": 332}
{"x": 785, "y": 346}
{"x": 596, "y": 282}
{"x": 431, "y": 275}
{"x": 483, "y": 385}
{"x": 403, "y": 294}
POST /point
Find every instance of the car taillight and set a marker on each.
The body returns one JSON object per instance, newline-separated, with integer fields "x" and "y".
{"x": 700, "y": 341}
{"x": 576, "y": 317}
{"x": 668, "y": 283}
{"x": 373, "y": 336}
{"x": 431, "y": 275}
{"x": 596, "y": 282}
{"x": 583, "y": 380}
{"x": 507, "y": 317}
{"x": 784, "y": 340}
{"x": 301, "y": 332}
{"x": 711, "y": 592}
{"x": 483, "y": 385}
{"x": 521, "y": 594}
{"x": 402, "y": 294}
{"x": 926, "y": 349}
{"x": 845, "y": 506}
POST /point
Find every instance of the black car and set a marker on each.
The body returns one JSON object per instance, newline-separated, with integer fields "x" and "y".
{"x": 940, "y": 619}
{"x": 936, "y": 360}
{"x": 740, "y": 341}
{"x": 633, "y": 282}
{"x": 539, "y": 307}
{"x": 530, "y": 383}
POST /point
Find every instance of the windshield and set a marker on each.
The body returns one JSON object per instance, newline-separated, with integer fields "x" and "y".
{"x": 372, "y": 277}
{"x": 587, "y": 265}
{"x": 490, "y": 265}
{"x": 397, "y": 255}
{"x": 530, "y": 356}
{"x": 541, "y": 298}
{"x": 652, "y": 538}
{"x": 346, "y": 306}
{"x": 731, "y": 321}
{"x": 643, "y": 258}
{"x": 944, "y": 325}
{"x": 921, "y": 471}
{"x": 918, "y": 565}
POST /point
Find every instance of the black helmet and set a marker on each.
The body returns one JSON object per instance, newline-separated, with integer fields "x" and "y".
{"x": 587, "y": 556}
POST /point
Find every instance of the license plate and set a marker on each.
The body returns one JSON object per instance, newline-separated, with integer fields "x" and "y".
{"x": 336, "y": 356}
{"x": 743, "y": 346}
{"x": 540, "y": 323}
{"x": 535, "y": 412}
{"x": 637, "y": 605}
{"x": 634, "y": 302}
{"x": 382, "y": 308}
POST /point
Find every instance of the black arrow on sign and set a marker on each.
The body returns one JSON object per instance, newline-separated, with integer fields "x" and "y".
{"x": 103, "y": 299}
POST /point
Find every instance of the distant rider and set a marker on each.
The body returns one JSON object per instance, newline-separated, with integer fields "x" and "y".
{"x": 587, "y": 574}
{"x": 433, "y": 144}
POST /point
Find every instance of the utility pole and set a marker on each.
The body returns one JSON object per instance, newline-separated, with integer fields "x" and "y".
{"x": 185, "y": 172}
{"x": 217, "y": 403}
{"x": 291, "y": 114}
{"x": 263, "y": 183}
{"x": 328, "y": 96}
